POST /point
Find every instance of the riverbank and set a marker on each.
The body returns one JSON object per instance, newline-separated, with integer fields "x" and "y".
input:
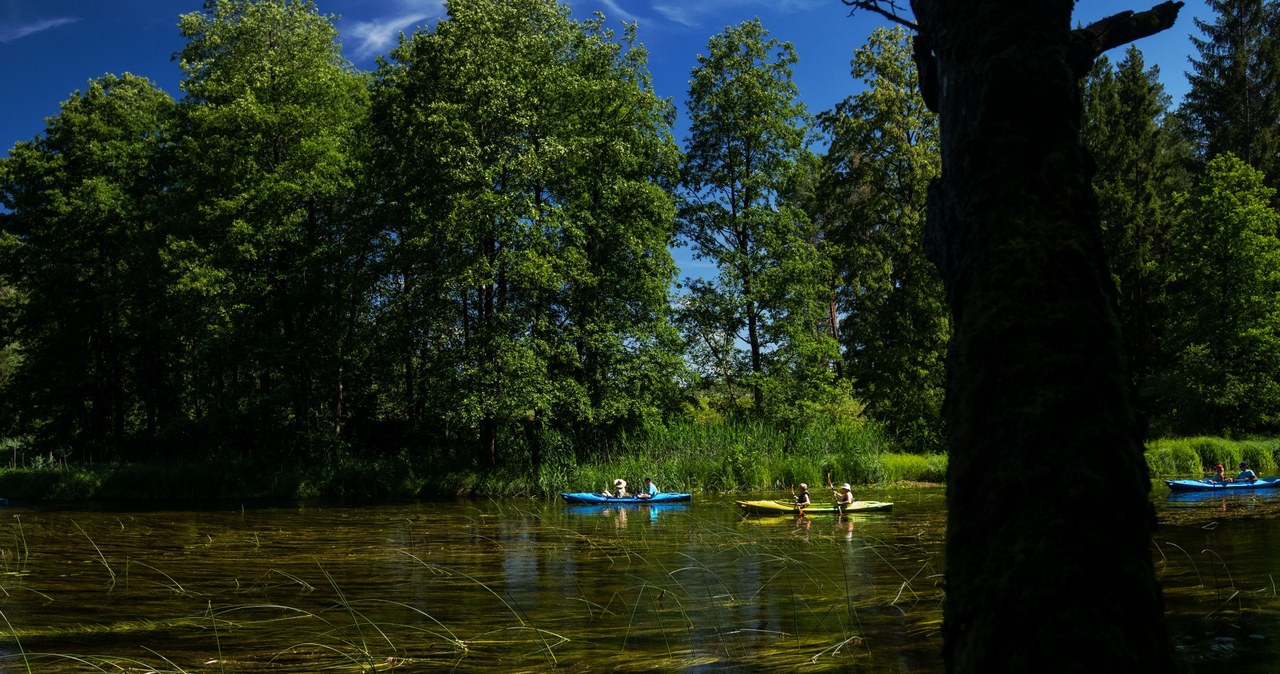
{"x": 737, "y": 466}
{"x": 400, "y": 479}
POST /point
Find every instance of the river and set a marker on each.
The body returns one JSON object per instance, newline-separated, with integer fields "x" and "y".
{"x": 534, "y": 585}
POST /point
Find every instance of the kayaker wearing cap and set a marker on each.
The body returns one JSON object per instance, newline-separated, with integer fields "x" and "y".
{"x": 621, "y": 486}
{"x": 802, "y": 499}
{"x": 1246, "y": 474}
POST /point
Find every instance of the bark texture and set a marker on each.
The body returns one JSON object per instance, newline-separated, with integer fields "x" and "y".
{"x": 1049, "y": 564}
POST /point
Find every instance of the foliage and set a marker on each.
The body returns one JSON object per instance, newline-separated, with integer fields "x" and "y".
{"x": 1233, "y": 104}
{"x": 1139, "y": 161}
{"x": 762, "y": 321}
{"x": 264, "y": 249}
{"x": 1222, "y": 302}
{"x": 461, "y": 260}
{"x": 1196, "y": 456}
{"x": 883, "y": 153}
{"x": 80, "y": 250}
{"x": 536, "y": 266}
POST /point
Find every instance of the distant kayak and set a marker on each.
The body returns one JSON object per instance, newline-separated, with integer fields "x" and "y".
{"x": 1205, "y": 485}
{"x": 589, "y": 498}
{"x": 789, "y": 508}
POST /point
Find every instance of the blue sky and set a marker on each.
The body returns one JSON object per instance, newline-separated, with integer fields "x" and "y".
{"x": 52, "y": 48}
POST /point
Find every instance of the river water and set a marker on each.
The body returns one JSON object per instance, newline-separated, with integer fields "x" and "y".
{"x": 534, "y": 585}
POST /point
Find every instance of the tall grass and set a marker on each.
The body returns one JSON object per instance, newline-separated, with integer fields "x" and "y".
{"x": 715, "y": 456}
{"x": 1196, "y": 456}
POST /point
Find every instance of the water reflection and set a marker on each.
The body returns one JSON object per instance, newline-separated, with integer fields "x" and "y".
{"x": 531, "y": 586}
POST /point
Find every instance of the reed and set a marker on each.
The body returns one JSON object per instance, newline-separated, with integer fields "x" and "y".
{"x": 1196, "y": 456}
{"x": 101, "y": 557}
{"x": 710, "y": 456}
{"x": 17, "y": 642}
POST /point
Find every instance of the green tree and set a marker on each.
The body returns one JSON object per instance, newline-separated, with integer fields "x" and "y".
{"x": 748, "y": 134}
{"x": 82, "y": 257}
{"x": 267, "y": 257}
{"x": 1222, "y": 305}
{"x": 528, "y": 162}
{"x": 883, "y": 153}
{"x": 1233, "y": 104}
{"x": 1140, "y": 164}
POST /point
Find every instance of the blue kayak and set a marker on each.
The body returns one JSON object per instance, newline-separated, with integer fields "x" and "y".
{"x": 589, "y": 498}
{"x": 1206, "y": 485}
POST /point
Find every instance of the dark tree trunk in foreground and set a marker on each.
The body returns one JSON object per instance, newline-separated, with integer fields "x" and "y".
{"x": 1048, "y": 534}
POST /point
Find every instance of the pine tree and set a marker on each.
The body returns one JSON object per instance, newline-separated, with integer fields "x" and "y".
{"x": 1233, "y": 104}
{"x": 1139, "y": 160}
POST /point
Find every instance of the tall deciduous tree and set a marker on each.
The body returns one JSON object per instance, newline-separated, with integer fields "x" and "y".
{"x": 748, "y": 133}
{"x": 1047, "y": 489}
{"x": 1222, "y": 334}
{"x": 529, "y": 165}
{"x": 883, "y": 153}
{"x": 1233, "y": 104}
{"x": 82, "y": 254}
{"x": 263, "y": 248}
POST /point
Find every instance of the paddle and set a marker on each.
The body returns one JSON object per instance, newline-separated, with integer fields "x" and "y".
{"x": 839, "y": 497}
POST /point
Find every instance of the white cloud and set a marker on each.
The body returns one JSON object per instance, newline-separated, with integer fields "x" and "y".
{"x": 681, "y": 14}
{"x": 377, "y": 36}
{"x": 691, "y": 13}
{"x": 11, "y": 33}
{"x": 614, "y": 11}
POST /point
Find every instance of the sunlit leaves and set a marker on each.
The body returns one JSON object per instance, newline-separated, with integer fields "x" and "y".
{"x": 1222, "y": 301}
{"x": 884, "y": 151}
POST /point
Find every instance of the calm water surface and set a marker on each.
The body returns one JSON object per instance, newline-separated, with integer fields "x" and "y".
{"x": 515, "y": 586}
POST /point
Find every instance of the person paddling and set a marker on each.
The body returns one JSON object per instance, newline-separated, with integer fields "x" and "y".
{"x": 649, "y": 490}
{"x": 844, "y": 498}
{"x": 1246, "y": 474}
{"x": 802, "y": 499}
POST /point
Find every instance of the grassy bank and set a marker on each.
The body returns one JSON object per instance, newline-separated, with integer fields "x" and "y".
{"x": 714, "y": 458}
{"x": 698, "y": 457}
{"x": 1194, "y": 457}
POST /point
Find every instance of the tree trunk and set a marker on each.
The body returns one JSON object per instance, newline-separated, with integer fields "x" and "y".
{"x": 1048, "y": 534}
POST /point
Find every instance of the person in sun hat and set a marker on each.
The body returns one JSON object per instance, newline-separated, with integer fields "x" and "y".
{"x": 620, "y": 487}
{"x": 1246, "y": 474}
{"x": 844, "y": 498}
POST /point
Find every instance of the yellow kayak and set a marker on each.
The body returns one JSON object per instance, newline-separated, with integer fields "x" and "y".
{"x": 789, "y": 507}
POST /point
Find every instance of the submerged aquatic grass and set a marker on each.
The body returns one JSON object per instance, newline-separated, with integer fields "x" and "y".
{"x": 515, "y": 585}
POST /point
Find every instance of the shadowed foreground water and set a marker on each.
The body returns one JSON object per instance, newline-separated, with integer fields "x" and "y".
{"x": 478, "y": 586}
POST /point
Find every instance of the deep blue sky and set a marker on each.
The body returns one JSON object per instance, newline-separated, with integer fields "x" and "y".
{"x": 52, "y": 48}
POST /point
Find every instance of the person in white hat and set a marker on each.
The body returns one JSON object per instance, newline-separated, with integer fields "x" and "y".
{"x": 844, "y": 498}
{"x": 620, "y": 485}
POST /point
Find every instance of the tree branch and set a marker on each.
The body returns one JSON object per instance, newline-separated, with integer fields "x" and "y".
{"x": 890, "y": 10}
{"x": 1089, "y": 42}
